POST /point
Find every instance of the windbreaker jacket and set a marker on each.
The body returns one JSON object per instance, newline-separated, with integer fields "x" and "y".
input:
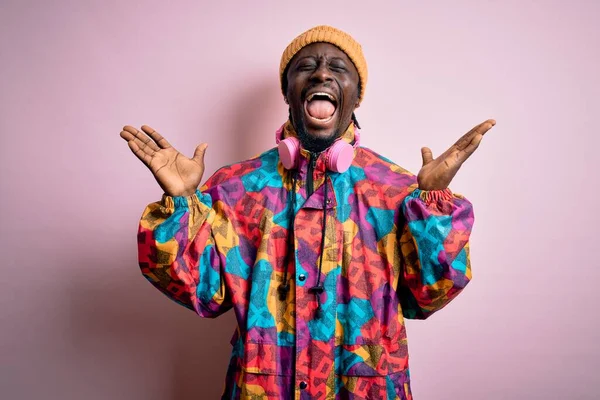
{"x": 391, "y": 251}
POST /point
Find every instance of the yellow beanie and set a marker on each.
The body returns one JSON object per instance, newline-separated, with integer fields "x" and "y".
{"x": 328, "y": 34}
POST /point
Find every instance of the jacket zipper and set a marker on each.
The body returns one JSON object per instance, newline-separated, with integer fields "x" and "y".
{"x": 310, "y": 184}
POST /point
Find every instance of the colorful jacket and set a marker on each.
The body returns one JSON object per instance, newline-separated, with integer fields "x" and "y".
{"x": 391, "y": 251}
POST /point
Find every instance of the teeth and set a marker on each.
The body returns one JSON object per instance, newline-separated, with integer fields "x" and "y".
{"x": 330, "y": 97}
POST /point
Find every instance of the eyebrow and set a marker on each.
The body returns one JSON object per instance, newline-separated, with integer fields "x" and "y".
{"x": 334, "y": 58}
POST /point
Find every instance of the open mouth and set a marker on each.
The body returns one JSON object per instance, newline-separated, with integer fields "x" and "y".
{"x": 320, "y": 108}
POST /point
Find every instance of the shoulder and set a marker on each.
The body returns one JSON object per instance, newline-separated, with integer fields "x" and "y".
{"x": 378, "y": 169}
{"x": 246, "y": 175}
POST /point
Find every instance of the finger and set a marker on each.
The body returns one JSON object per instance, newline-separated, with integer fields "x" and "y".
{"x": 145, "y": 140}
{"x": 426, "y": 155}
{"x": 161, "y": 141}
{"x": 485, "y": 126}
{"x": 127, "y": 135}
{"x": 141, "y": 145}
{"x": 199, "y": 154}
{"x": 470, "y": 149}
{"x": 481, "y": 129}
{"x": 130, "y": 128}
{"x": 139, "y": 153}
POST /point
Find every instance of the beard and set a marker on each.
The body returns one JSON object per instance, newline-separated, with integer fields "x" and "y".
{"x": 311, "y": 143}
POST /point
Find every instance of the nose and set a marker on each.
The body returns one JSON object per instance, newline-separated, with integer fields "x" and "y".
{"x": 321, "y": 74}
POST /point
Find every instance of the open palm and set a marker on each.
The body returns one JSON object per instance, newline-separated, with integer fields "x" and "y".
{"x": 436, "y": 174}
{"x": 176, "y": 174}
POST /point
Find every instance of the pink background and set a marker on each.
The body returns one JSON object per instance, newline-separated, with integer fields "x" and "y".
{"x": 78, "y": 321}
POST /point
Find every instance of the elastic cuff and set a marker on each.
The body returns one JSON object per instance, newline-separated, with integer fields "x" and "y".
{"x": 432, "y": 196}
{"x": 171, "y": 203}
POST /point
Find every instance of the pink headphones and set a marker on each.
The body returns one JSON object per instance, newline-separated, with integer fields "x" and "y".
{"x": 338, "y": 157}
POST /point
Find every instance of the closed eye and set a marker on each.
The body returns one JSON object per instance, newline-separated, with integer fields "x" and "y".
{"x": 305, "y": 67}
{"x": 337, "y": 67}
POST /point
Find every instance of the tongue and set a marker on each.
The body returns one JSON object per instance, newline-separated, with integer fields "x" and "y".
{"x": 321, "y": 109}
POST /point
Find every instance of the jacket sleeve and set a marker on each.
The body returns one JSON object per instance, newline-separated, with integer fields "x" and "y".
{"x": 178, "y": 253}
{"x": 434, "y": 246}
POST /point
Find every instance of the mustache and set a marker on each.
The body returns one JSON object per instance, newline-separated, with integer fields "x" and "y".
{"x": 338, "y": 93}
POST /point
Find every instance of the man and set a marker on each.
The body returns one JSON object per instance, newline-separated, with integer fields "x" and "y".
{"x": 320, "y": 246}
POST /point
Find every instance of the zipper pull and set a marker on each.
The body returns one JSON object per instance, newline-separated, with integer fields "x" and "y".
{"x": 313, "y": 159}
{"x": 312, "y": 163}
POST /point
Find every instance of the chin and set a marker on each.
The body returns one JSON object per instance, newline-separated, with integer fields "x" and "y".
{"x": 321, "y": 134}
{"x": 316, "y": 140}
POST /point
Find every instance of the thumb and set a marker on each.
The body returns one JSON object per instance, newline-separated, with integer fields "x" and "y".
{"x": 427, "y": 155}
{"x": 199, "y": 153}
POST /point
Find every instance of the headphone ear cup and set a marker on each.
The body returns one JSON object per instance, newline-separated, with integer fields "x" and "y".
{"x": 288, "y": 152}
{"x": 339, "y": 156}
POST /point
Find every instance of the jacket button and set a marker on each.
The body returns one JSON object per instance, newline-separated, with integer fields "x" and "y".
{"x": 303, "y": 385}
{"x": 302, "y": 277}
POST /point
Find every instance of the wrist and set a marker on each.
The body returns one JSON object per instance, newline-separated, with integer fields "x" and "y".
{"x": 432, "y": 188}
{"x": 185, "y": 193}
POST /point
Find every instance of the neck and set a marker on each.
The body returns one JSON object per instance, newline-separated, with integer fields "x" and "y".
{"x": 317, "y": 145}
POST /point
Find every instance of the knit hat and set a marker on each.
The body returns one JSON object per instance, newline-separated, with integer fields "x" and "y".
{"x": 328, "y": 34}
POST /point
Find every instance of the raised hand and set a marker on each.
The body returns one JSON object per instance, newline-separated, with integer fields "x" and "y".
{"x": 176, "y": 174}
{"x": 437, "y": 173}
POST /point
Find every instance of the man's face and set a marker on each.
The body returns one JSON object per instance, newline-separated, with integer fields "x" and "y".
{"x": 322, "y": 91}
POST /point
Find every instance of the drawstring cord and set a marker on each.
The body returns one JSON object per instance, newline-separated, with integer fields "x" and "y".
{"x": 318, "y": 288}
{"x": 284, "y": 287}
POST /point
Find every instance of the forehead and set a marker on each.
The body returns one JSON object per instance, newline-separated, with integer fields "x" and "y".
{"x": 318, "y": 50}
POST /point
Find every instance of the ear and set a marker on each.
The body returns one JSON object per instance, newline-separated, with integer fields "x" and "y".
{"x": 357, "y": 104}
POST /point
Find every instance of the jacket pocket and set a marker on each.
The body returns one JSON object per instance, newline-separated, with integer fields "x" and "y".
{"x": 267, "y": 359}
{"x": 370, "y": 372}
